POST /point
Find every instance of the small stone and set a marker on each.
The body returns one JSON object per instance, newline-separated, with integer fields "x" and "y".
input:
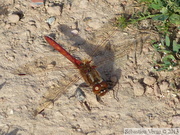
{"x": 13, "y": 18}
{"x": 79, "y": 130}
{"x": 157, "y": 91}
{"x": 149, "y": 90}
{"x": 176, "y": 120}
{"x": 51, "y": 20}
{"x": 175, "y": 99}
{"x": 74, "y": 32}
{"x": 149, "y": 80}
{"x": 163, "y": 86}
{"x": 3, "y": 24}
{"x": 146, "y": 50}
{"x": 7, "y": 26}
{"x": 138, "y": 89}
{"x": 54, "y": 10}
{"x": 10, "y": 111}
{"x": 164, "y": 124}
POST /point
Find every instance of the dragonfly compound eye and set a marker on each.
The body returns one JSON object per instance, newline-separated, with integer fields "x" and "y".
{"x": 100, "y": 89}
{"x": 96, "y": 88}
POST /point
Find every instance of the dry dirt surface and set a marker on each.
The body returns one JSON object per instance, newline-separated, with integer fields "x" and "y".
{"x": 146, "y": 98}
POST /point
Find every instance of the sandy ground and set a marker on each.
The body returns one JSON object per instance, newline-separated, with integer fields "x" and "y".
{"x": 80, "y": 26}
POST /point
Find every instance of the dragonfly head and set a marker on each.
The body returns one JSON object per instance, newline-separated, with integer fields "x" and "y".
{"x": 100, "y": 89}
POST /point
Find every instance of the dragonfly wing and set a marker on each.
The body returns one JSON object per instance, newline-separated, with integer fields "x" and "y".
{"x": 112, "y": 44}
{"x": 54, "y": 92}
{"x": 64, "y": 80}
{"x": 42, "y": 64}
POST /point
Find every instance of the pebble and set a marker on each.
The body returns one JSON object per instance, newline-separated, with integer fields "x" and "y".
{"x": 51, "y": 20}
{"x": 10, "y": 111}
{"x": 176, "y": 120}
{"x": 54, "y": 10}
{"x": 7, "y": 26}
{"x": 149, "y": 80}
{"x": 13, "y": 18}
{"x": 163, "y": 86}
{"x": 164, "y": 124}
{"x": 157, "y": 91}
{"x": 138, "y": 89}
{"x": 149, "y": 90}
{"x": 9, "y": 57}
{"x": 74, "y": 32}
{"x": 175, "y": 98}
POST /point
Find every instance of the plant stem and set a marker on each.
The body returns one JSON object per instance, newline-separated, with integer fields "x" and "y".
{"x": 143, "y": 18}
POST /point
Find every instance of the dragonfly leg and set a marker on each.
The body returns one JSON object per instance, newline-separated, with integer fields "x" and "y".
{"x": 86, "y": 105}
{"x": 112, "y": 83}
{"x": 80, "y": 95}
{"x": 98, "y": 98}
{"x": 72, "y": 96}
{"x": 115, "y": 93}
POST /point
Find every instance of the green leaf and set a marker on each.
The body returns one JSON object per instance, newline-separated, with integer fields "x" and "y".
{"x": 164, "y": 51}
{"x": 164, "y": 10}
{"x": 177, "y": 10}
{"x": 176, "y": 47}
{"x": 156, "y": 46}
{"x": 155, "y": 6}
{"x": 162, "y": 42}
{"x": 168, "y": 59}
{"x": 175, "y": 19}
{"x": 167, "y": 40}
{"x": 161, "y": 17}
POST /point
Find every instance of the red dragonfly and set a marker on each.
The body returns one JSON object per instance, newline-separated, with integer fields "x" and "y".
{"x": 87, "y": 70}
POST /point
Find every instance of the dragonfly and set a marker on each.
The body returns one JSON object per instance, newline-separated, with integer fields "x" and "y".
{"x": 87, "y": 70}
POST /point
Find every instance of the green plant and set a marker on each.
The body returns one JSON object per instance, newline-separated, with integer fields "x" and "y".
{"x": 166, "y": 20}
{"x": 123, "y": 21}
{"x": 169, "y": 54}
{"x": 168, "y": 12}
{"x": 165, "y": 11}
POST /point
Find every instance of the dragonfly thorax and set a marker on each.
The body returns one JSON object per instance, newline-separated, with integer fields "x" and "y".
{"x": 89, "y": 73}
{"x": 93, "y": 78}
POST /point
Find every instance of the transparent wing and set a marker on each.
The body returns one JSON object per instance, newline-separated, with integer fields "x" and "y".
{"x": 111, "y": 44}
{"x": 54, "y": 92}
{"x": 44, "y": 64}
{"x": 64, "y": 78}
